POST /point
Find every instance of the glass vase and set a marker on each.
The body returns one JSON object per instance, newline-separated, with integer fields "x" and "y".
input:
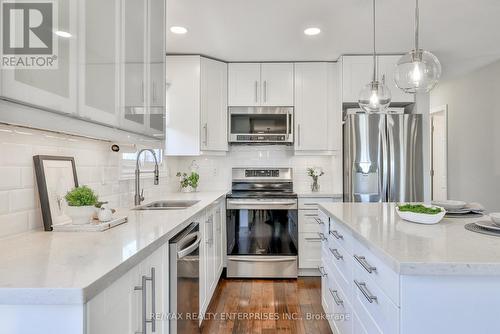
{"x": 315, "y": 185}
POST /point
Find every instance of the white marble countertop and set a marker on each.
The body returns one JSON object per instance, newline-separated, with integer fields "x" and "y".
{"x": 71, "y": 267}
{"x": 446, "y": 248}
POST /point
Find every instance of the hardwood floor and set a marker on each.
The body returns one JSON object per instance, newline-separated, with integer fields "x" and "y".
{"x": 266, "y": 306}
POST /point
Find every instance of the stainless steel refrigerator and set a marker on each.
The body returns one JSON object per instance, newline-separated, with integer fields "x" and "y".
{"x": 383, "y": 158}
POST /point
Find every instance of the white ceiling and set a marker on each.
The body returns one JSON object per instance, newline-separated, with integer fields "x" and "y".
{"x": 464, "y": 34}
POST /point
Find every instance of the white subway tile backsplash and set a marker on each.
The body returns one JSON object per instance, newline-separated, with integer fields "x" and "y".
{"x": 21, "y": 199}
{"x": 4, "y": 202}
{"x": 10, "y": 178}
{"x": 14, "y": 223}
{"x": 13, "y": 154}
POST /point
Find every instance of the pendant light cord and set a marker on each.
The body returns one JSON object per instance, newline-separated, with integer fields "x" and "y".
{"x": 417, "y": 18}
{"x": 374, "y": 48}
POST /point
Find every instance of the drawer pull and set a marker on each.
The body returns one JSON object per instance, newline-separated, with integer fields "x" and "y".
{"x": 310, "y": 203}
{"x": 322, "y": 237}
{"x": 319, "y": 221}
{"x": 336, "y": 253}
{"x": 313, "y": 239}
{"x": 311, "y": 215}
{"x": 362, "y": 261}
{"x": 322, "y": 271}
{"x": 336, "y": 297}
{"x": 336, "y": 234}
{"x": 364, "y": 290}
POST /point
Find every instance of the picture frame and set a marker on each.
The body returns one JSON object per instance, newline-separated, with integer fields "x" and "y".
{"x": 55, "y": 176}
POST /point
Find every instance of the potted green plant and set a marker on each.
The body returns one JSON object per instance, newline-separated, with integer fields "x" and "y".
{"x": 82, "y": 203}
{"x": 188, "y": 182}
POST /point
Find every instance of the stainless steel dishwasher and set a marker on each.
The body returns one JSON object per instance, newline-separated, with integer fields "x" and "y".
{"x": 185, "y": 280}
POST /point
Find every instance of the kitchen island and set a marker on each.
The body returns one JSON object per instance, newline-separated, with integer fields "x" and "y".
{"x": 84, "y": 282}
{"x": 393, "y": 276}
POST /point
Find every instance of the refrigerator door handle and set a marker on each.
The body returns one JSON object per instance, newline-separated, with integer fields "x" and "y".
{"x": 384, "y": 191}
{"x": 391, "y": 172}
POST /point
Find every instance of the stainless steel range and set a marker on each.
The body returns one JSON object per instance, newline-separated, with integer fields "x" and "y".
{"x": 262, "y": 225}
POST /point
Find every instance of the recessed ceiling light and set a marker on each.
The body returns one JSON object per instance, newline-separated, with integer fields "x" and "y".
{"x": 312, "y": 31}
{"x": 64, "y": 34}
{"x": 178, "y": 30}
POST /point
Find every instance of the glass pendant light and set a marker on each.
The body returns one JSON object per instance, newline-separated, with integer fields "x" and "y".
{"x": 418, "y": 71}
{"x": 375, "y": 97}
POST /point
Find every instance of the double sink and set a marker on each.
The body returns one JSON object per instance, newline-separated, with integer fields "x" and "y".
{"x": 167, "y": 205}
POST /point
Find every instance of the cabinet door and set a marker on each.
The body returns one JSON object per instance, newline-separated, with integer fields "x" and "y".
{"x": 99, "y": 69}
{"x": 386, "y": 67}
{"x": 183, "y": 106}
{"x": 156, "y": 290}
{"x": 309, "y": 250}
{"x": 219, "y": 242}
{"x": 54, "y": 89}
{"x": 117, "y": 308}
{"x": 244, "y": 84}
{"x": 213, "y": 105}
{"x": 133, "y": 98}
{"x": 277, "y": 84}
{"x": 357, "y": 71}
{"x": 311, "y": 106}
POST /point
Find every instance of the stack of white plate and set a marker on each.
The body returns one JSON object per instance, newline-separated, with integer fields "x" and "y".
{"x": 492, "y": 224}
{"x": 460, "y": 208}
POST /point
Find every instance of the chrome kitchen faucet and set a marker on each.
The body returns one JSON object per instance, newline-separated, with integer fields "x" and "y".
{"x": 138, "y": 198}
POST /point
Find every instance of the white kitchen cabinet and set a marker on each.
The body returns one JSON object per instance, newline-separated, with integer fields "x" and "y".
{"x": 357, "y": 72}
{"x": 318, "y": 111}
{"x": 244, "y": 86}
{"x": 220, "y": 214}
{"x": 196, "y": 106}
{"x": 213, "y": 105}
{"x": 255, "y": 84}
{"x": 118, "y": 309}
{"x": 386, "y": 68}
{"x": 277, "y": 84}
{"x": 54, "y": 89}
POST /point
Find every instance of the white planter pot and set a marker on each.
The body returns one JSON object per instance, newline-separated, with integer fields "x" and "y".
{"x": 81, "y": 214}
{"x": 189, "y": 189}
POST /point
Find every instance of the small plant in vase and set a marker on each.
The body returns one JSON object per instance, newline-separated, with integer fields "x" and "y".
{"x": 82, "y": 203}
{"x": 188, "y": 182}
{"x": 315, "y": 173}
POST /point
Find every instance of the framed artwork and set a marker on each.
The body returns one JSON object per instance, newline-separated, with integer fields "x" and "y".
{"x": 55, "y": 176}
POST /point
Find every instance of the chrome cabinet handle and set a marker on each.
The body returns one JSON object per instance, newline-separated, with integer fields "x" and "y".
{"x": 362, "y": 261}
{"x": 287, "y": 125}
{"x": 154, "y": 91}
{"x": 142, "y": 91}
{"x": 205, "y": 129}
{"x": 319, "y": 221}
{"x": 310, "y": 203}
{"x": 322, "y": 237}
{"x": 311, "y": 215}
{"x": 143, "y": 289}
{"x": 336, "y": 254}
{"x": 336, "y": 297}
{"x": 336, "y": 234}
{"x": 265, "y": 90}
{"x": 322, "y": 271}
{"x": 364, "y": 290}
{"x": 210, "y": 221}
{"x": 256, "y": 91}
{"x": 312, "y": 239}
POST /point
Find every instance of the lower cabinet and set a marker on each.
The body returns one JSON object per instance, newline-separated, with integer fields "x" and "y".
{"x": 126, "y": 306}
{"x": 120, "y": 307}
{"x": 310, "y": 227}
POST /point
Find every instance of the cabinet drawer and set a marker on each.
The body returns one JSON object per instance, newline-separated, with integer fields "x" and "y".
{"x": 378, "y": 271}
{"x": 340, "y": 234}
{"x": 341, "y": 309}
{"x": 372, "y": 304}
{"x": 309, "y": 250}
{"x": 309, "y": 221}
{"x": 307, "y": 203}
{"x": 341, "y": 262}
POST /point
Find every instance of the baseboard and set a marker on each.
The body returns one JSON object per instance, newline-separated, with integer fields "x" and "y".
{"x": 308, "y": 272}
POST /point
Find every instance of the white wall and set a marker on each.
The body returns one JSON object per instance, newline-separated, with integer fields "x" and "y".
{"x": 473, "y": 135}
{"x": 215, "y": 171}
{"x": 97, "y": 166}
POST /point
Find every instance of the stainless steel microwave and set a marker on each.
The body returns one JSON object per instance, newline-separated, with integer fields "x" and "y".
{"x": 273, "y": 125}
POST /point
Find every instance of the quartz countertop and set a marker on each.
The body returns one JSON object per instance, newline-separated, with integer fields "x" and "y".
{"x": 319, "y": 194}
{"x": 72, "y": 267}
{"x": 446, "y": 248}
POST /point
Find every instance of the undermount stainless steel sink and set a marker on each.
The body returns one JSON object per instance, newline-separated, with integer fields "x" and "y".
{"x": 167, "y": 205}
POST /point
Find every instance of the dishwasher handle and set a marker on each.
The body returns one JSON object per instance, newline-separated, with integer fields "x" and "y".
{"x": 188, "y": 250}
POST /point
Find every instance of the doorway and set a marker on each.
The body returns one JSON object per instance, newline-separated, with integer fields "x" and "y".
{"x": 439, "y": 152}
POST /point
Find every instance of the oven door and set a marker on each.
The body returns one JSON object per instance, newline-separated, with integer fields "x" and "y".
{"x": 261, "y": 125}
{"x": 262, "y": 237}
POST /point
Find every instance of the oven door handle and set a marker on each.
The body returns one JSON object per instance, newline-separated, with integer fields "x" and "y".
{"x": 260, "y": 203}
{"x": 256, "y": 205}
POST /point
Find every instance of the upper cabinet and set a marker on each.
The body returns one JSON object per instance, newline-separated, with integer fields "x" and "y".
{"x": 357, "y": 71}
{"x": 196, "y": 111}
{"x": 110, "y": 69}
{"x": 266, "y": 84}
{"x": 318, "y": 110}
